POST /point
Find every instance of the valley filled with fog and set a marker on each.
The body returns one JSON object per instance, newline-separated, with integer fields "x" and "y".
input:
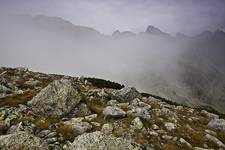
{"x": 188, "y": 70}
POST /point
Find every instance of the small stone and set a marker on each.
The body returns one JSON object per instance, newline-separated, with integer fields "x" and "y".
{"x": 43, "y": 133}
{"x": 19, "y": 92}
{"x": 153, "y": 133}
{"x": 183, "y": 141}
{"x": 51, "y": 135}
{"x": 155, "y": 127}
{"x": 51, "y": 140}
{"x": 167, "y": 137}
{"x": 175, "y": 138}
{"x": 107, "y": 128}
{"x": 112, "y": 102}
{"x": 96, "y": 124}
{"x": 170, "y": 126}
{"x": 90, "y": 117}
{"x": 137, "y": 123}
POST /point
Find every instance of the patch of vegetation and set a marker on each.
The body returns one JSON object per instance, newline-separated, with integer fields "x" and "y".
{"x": 196, "y": 137}
{"x": 100, "y": 83}
{"x": 44, "y": 123}
{"x": 95, "y": 105}
{"x": 15, "y": 100}
{"x": 67, "y": 131}
{"x": 3, "y": 127}
{"x": 122, "y": 126}
{"x": 24, "y": 118}
{"x": 171, "y": 146}
{"x": 221, "y": 135}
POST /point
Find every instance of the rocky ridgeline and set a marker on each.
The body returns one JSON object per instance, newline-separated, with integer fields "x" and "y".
{"x": 41, "y": 111}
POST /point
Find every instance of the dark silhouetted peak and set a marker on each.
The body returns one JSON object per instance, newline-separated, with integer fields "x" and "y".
{"x": 153, "y": 30}
{"x": 123, "y": 34}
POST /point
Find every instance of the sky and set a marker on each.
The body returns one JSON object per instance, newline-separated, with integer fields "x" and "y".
{"x": 106, "y": 16}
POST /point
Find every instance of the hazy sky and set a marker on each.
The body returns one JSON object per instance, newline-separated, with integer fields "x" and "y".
{"x": 188, "y": 16}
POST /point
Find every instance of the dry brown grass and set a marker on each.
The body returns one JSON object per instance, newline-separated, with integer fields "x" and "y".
{"x": 3, "y": 127}
{"x": 20, "y": 147}
{"x": 44, "y": 123}
{"x": 67, "y": 131}
{"x": 15, "y": 100}
{"x": 171, "y": 146}
{"x": 95, "y": 105}
{"x": 29, "y": 118}
{"x": 122, "y": 127}
{"x": 159, "y": 121}
{"x": 140, "y": 138}
{"x": 221, "y": 135}
{"x": 196, "y": 137}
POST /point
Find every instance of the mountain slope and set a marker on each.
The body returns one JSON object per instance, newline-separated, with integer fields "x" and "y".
{"x": 48, "y": 111}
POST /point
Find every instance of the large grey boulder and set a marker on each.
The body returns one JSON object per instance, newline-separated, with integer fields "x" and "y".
{"x": 55, "y": 100}
{"x": 113, "y": 111}
{"x": 22, "y": 140}
{"x": 99, "y": 141}
{"x": 126, "y": 94}
{"x": 217, "y": 124}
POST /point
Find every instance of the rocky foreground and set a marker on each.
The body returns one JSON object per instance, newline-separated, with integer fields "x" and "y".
{"x": 46, "y": 111}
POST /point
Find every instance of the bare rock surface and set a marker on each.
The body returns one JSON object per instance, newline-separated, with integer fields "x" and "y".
{"x": 99, "y": 141}
{"x": 22, "y": 140}
{"x": 56, "y": 100}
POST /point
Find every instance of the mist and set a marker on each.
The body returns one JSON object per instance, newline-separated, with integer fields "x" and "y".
{"x": 120, "y": 59}
{"x": 186, "y": 69}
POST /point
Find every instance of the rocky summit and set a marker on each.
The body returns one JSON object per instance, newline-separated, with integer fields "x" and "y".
{"x": 41, "y": 111}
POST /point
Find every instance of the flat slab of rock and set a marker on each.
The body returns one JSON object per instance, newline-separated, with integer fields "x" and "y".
{"x": 114, "y": 111}
{"x": 56, "y": 100}
{"x": 22, "y": 140}
{"x": 217, "y": 124}
{"x": 99, "y": 141}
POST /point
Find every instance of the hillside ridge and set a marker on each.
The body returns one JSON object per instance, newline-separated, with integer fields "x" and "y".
{"x": 50, "y": 111}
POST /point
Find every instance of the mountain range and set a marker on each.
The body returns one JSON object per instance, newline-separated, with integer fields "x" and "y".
{"x": 186, "y": 69}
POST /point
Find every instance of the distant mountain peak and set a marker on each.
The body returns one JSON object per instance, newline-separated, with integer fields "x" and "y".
{"x": 153, "y": 30}
{"x": 123, "y": 34}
